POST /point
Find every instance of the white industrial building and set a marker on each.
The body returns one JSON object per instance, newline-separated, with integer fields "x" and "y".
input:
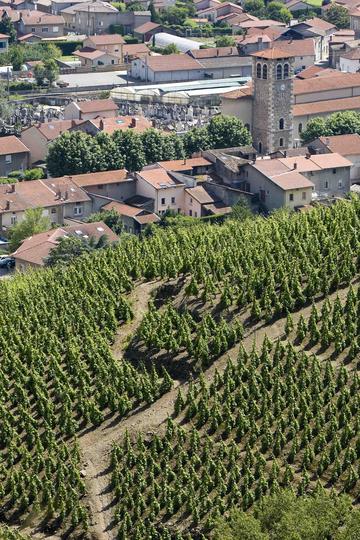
{"x": 163, "y": 39}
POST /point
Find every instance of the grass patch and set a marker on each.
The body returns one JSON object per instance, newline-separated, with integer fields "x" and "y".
{"x": 315, "y": 3}
{"x": 68, "y": 58}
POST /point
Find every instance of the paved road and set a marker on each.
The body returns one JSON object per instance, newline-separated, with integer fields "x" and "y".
{"x": 94, "y": 79}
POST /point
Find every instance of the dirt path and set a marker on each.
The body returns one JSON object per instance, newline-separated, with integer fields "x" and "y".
{"x": 96, "y": 445}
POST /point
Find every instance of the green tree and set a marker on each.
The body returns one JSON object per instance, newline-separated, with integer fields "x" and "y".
{"x": 16, "y": 57}
{"x": 39, "y": 74}
{"x": 314, "y": 129}
{"x": 110, "y": 155}
{"x": 239, "y": 526}
{"x": 196, "y": 139}
{"x": 241, "y": 210}
{"x": 7, "y": 27}
{"x": 74, "y": 153}
{"x": 338, "y": 16}
{"x": 110, "y": 217}
{"x": 33, "y": 174}
{"x": 33, "y": 223}
{"x": 227, "y": 131}
{"x": 129, "y": 144}
{"x": 278, "y": 12}
{"x": 225, "y": 41}
{"x": 51, "y": 70}
{"x": 255, "y": 7}
{"x": 69, "y": 248}
{"x": 170, "y": 49}
{"x": 344, "y": 122}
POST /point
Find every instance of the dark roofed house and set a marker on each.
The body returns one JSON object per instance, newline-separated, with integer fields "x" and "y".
{"x": 146, "y": 31}
{"x": 135, "y": 219}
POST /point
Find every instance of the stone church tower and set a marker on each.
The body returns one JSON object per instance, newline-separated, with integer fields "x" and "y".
{"x": 272, "y": 116}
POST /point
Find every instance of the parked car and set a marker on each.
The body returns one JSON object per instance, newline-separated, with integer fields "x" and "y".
{"x": 62, "y": 84}
{"x": 7, "y": 262}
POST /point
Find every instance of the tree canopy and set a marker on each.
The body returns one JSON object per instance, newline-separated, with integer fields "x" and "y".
{"x": 284, "y": 516}
{"x": 110, "y": 217}
{"x": 77, "y": 152}
{"x": 71, "y": 247}
{"x": 339, "y": 123}
{"x": 278, "y": 12}
{"x": 33, "y": 223}
{"x": 338, "y": 15}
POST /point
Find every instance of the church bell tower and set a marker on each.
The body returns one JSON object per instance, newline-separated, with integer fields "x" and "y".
{"x": 272, "y": 116}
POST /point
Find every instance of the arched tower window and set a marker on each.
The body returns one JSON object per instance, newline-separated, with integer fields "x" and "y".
{"x": 281, "y": 123}
{"x": 286, "y": 71}
{"x": 258, "y": 70}
{"x": 260, "y": 147}
{"x": 281, "y": 142}
{"x": 279, "y": 72}
{"x": 265, "y": 71}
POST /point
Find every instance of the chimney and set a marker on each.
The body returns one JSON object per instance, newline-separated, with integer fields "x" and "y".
{"x": 133, "y": 122}
{"x": 295, "y": 165}
{"x": 101, "y": 124}
{"x": 73, "y": 123}
{"x": 11, "y": 188}
{"x": 7, "y": 205}
{"x": 308, "y": 155}
{"x": 66, "y": 195}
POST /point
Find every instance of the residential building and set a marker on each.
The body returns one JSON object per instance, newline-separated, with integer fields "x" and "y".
{"x": 41, "y": 24}
{"x": 317, "y": 29}
{"x": 146, "y": 31}
{"x": 4, "y": 43}
{"x": 199, "y": 202}
{"x": 90, "y": 17}
{"x": 59, "y": 197}
{"x": 86, "y": 110}
{"x": 297, "y": 5}
{"x": 109, "y": 43}
{"x": 355, "y": 21}
{"x": 196, "y": 166}
{"x": 94, "y": 57}
{"x": 215, "y": 13}
{"x": 135, "y": 50}
{"x": 14, "y": 155}
{"x": 134, "y": 219}
{"x": 33, "y": 251}
{"x": 165, "y": 188}
{"x": 105, "y": 185}
{"x": 38, "y": 137}
{"x": 279, "y": 186}
{"x": 347, "y": 146}
{"x": 350, "y": 61}
{"x": 110, "y": 125}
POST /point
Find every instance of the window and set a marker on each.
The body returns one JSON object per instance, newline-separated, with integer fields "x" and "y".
{"x": 33, "y": 30}
{"x": 260, "y": 147}
{"x": 190, "y": 212}
{"x": 300, "y": 128}
{"x": 291, "y": 197}
{"x": 113, "y": 61}
{"x": 265, "y": 70}
{"x": 258, "y": 70}
{"x": 44, "y": 29}
{"x": 340, "y": 184}
{"x": 191, "y": 200}
{"x": 303, "y": 196}
{"x": 286, "y": 71}
{"x": 281, "y": 123}
{"x": 172, "y": 200}
{"x": 279, "y": 72}
{"x": 326, "y": 184}
{"x": 78, "y": 211}
{"x": 334, "y": 171}
{"x": 53, "y": 210}
{"x": 281, "y": 142}
{"x": 195, "y": 214}
{"x": 55, "y": 29}
{"x": 101, "y": 186}
{"x": 163, "y": 201}
{"x": 8, "y": 158}
{"x": 13, "y": 220}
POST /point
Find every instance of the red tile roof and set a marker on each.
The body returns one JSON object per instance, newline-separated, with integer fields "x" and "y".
{"x": 11, "y": 145}
{"x": 273, "y": 53}
{"x": 173, "y": 62}
{"x": 98, "y": 178}
{"x": 184, "y": 164}
{"x": 51, "y": 130}
{"x": 106, "y": 39}
{"x": 158, "y": 177}
{"x": 97, "y": 105}
{"x": 200, "y": 194}
{"x": 345, "y": 145}
{"x": 297, "y": 47}
{"x": 123, "y": 209}
{"x": 146, "y": 27}
{"x": 327, "y": 106}
{"x": 330, "y": 82}
{"x": 213, "y": 52}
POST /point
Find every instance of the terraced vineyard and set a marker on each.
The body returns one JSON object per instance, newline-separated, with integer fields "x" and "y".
{"x": 133, "y": 419}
